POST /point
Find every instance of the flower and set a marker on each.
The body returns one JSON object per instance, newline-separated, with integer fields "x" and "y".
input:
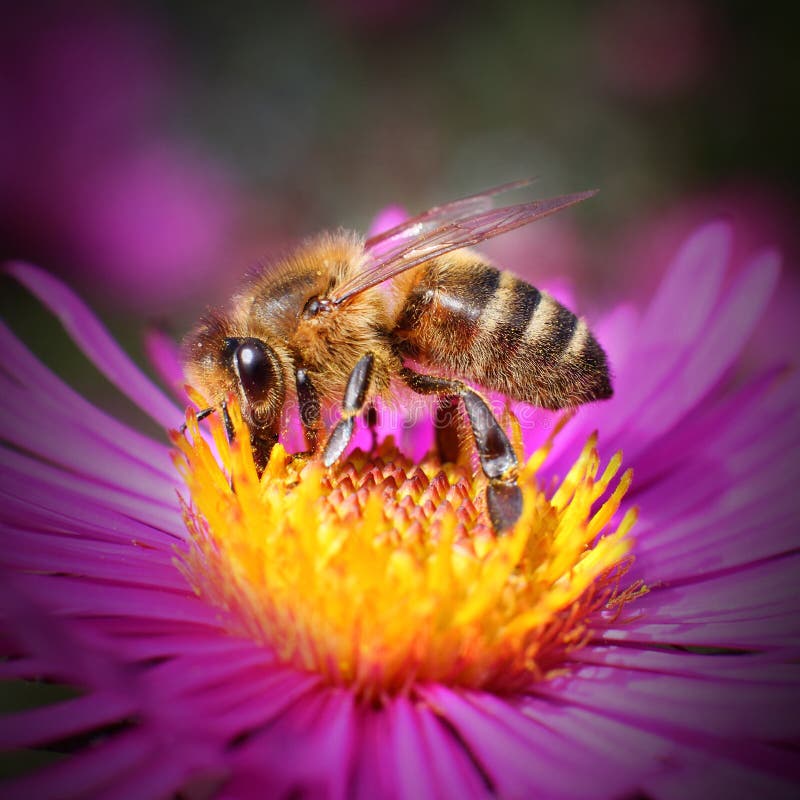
{"x": 691, "y": 692}
{"x": 314, "y": 564}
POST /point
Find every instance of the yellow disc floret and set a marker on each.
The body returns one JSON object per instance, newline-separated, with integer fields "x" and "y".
{"x": 381, "y": 574}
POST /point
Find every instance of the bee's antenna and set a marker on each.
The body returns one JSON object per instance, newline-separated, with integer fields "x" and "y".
{"x": 201, "y": 415}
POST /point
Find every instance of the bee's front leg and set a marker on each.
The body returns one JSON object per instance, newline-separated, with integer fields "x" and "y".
{"x": 355, "y": 395}
{"x": 226, "y": 418}
{"x": 261, "y": 444}
{"x": 261, "y": 440}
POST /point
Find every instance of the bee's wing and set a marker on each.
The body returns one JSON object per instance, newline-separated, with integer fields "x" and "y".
{"x": 439, "y": 215}
{"x": 465, "y": 230}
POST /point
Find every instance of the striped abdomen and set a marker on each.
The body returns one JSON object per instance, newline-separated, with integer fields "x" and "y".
{"x": 469, "y": 319}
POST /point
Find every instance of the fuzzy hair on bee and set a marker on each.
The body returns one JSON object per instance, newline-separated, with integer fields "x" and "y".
{"x": 339, "y": 320}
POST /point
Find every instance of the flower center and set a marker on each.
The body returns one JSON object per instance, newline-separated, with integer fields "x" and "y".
{"x": 382, "y": 573}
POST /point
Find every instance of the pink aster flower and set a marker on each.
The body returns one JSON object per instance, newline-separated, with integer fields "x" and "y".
{"x": 201, "y": 669}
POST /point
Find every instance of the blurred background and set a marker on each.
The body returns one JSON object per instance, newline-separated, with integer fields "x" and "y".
{"x": 152, "y": 152}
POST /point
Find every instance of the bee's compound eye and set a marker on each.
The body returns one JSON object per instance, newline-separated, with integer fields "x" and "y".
{"x": 255, "y": 370}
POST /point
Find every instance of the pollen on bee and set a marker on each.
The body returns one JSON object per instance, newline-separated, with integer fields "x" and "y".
{"x": 316, "y": 563}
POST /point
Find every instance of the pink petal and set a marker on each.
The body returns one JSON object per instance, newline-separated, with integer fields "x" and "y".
{"x": 689, "y": 288}
{"x": 61, "y": 402}
{"x": 81, "y": 452}
{"x": 26, "y": 551}
{"x": 50, "y": 723}
{"x": 36, "y": 484}
{"x": 77, "y": 597}
{"x": 427, "y": 761}
{"x": 97, "y": 344}
{"x": 733, "y": 709}
{"x": 86, "y": 773}
{"x": 308, "y": 753}
{"x": 663, "y": 761}
{"x": 41, "y": 511}
{"x": 520, "y": 756}
{"x": 714, "y": 351}
{"x": 760, "y": 599}
{"x": 745, "y": 667}
{"x": 720, "y": 426}
{"x": 700, "y": 776}
{"x": 670, "y": 326}
{"x": 72, "y": 653}
{"x": 164, "y": 355}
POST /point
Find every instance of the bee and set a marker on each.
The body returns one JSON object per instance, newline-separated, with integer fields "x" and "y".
{"x": 342, "y": 318}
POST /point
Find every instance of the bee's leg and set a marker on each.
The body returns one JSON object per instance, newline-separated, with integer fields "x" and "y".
{"x": 308, "y": 402}
{"x": 227, "y": 419}
{"x": 229, "y": 432}
{"x": 371, "y": 417}
{"x": 448, "y": 427}
{"x": 261, "y": 445}
{"x": 498, "y": 460}
{"x": 355, "y": 394}
{"x": 201, "y": 415}
{"x": 261, "y": 441}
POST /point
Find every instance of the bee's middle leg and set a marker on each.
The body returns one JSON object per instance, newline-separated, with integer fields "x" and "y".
{"x": 309, "y": 407}
{"x": 497, "y": 456}
{"x": 371, "y": 418}
{"x": 355, "y": 395}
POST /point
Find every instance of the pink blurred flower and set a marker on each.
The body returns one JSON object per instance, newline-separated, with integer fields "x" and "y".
{"x": 386, "y": 219}
{"x": 695, "y": 697}
{"x": 88, "y": 180}
{"x": 151, "y": 224}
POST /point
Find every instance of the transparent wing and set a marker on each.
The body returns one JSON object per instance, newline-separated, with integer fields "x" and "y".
{"x": 439, "y": 215}
{"x": 466, "y": 228}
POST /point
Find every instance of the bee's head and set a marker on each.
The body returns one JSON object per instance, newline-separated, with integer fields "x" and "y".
{"x": 219, "y": 364}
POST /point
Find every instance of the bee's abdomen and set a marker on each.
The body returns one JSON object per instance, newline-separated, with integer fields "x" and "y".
{"x": 469, "y": 319}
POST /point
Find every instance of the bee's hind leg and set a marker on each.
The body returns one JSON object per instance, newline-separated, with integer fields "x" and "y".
{"x": 355, "y": 395}
{"x": 449, "y": 430}
{"x": 498, "y": 459}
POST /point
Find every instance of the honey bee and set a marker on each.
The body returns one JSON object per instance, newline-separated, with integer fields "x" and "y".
{"x": 340, "y": 319}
